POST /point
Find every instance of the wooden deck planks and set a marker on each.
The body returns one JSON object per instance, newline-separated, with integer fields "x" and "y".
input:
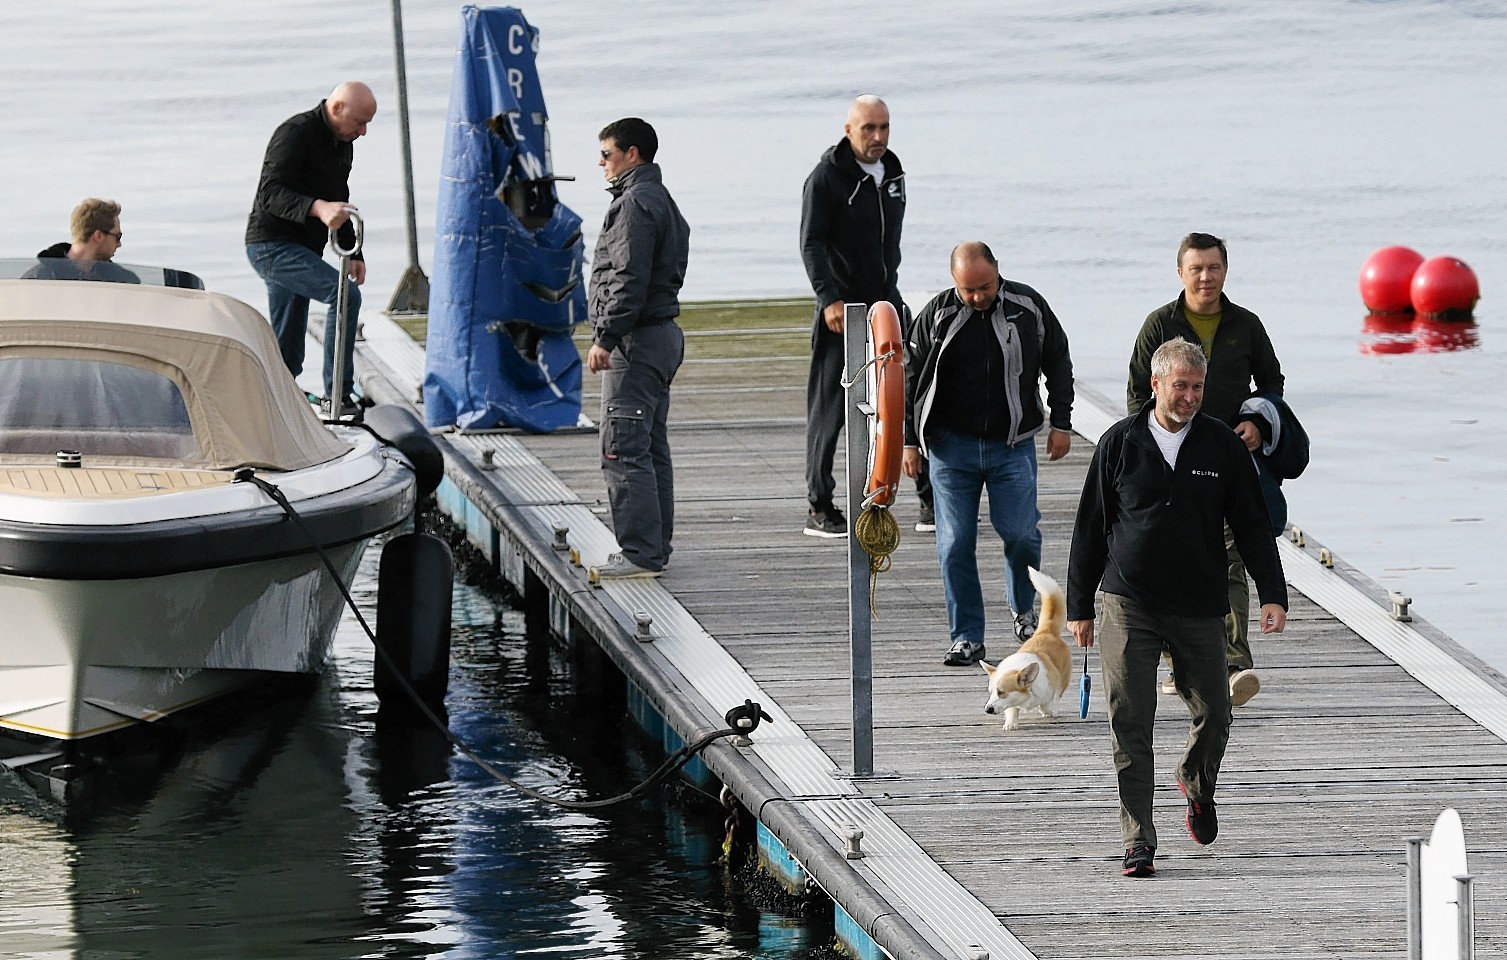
{"x": 1340, "y": 757}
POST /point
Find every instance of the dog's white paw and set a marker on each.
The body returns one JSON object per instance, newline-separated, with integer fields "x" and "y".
{"x": 1012, "y": 718}
{"x": 1046, "y": 711}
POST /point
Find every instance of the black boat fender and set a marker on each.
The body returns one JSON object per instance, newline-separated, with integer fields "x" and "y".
{"x": 397, "y": 427}
{"x": 413, "y": 621}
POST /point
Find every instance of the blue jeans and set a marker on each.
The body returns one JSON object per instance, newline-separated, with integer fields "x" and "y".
{"x": 961, "y": 468}
{"x": 296, "y": 275}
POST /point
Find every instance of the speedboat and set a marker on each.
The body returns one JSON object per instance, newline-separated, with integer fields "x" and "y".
{"x": 140, "y": 572}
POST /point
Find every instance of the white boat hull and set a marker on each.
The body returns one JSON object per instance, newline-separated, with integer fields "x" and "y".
{"x": 85, "y": 657}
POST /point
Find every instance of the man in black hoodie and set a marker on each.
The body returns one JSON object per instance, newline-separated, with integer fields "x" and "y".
{"x": 851, "y": 212}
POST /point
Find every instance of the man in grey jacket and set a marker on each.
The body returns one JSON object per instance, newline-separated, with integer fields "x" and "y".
{"x": 973, "y": 408}
{"x": 636, "y": 275}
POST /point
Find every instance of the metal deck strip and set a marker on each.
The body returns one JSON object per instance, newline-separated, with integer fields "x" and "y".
{"x": 528, "y": 480}
{"x": 398, "y": 350}
{"x": 1437, "y": 669}
{"x": 893, "y": 860}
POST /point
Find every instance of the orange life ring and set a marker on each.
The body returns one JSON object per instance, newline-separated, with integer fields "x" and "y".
{"x": 889, "y": 404}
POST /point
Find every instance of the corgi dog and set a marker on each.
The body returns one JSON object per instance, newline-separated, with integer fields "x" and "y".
{"x": 1038, "y": 673}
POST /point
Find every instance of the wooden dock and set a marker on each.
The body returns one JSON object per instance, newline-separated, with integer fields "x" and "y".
{"x": 1008, "y": 843}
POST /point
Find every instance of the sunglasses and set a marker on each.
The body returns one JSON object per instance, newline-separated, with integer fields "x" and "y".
{"x": 118, "y": 236}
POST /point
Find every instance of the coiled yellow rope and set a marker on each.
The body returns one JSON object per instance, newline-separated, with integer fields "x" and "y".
{"x": 878, "y": 532}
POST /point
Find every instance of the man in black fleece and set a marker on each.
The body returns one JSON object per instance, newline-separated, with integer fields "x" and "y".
{"x": 304, "y": 193}
{"x": 1150, "y": 527}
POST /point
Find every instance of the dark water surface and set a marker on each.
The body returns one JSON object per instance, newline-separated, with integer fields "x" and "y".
{"x": 307, "y": 829}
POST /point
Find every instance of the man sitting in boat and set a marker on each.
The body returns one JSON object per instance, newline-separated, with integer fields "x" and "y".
{"x": 96, "y": 238}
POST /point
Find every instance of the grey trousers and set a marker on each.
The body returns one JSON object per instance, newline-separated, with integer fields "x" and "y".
{"x": 1131, "y": 641}
{"x": 636, "y": 442}
{"x": 1237, "y": 623}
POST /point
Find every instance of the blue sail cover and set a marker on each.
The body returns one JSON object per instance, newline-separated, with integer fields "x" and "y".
{"x": 508, "y": 284}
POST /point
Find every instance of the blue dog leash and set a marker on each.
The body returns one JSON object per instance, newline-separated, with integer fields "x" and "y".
{"x": 1084, "y": 686}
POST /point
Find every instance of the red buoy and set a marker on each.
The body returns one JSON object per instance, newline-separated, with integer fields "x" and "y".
{"x": 1386, "y": 279}
{"x": 1444, "y": 287}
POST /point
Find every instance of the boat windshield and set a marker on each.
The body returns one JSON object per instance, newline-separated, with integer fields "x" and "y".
{"x": 61, "y": 268}
{"x": 96, "y": 407}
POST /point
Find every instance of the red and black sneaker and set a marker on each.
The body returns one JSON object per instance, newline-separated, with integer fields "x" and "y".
{"x": 1202, "y": 820}
{"x": 1138, "y": 862}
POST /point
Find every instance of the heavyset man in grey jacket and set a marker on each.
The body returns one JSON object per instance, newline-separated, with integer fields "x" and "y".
{"x": 973, "y": 410}
{"x": 636, "y": 275}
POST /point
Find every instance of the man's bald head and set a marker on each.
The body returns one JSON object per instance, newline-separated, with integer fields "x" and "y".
{"x": 868, "y": 128}
{"x": 972, "y": 251}
{"x": 975, "y": 274}
{"x": 350, "y": 107}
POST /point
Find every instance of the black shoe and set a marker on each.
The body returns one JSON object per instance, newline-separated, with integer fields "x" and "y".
{"x": 1202, "y": 820}
{"x": 827, "y": 523}
{"x": 927, "y": 521}
{"x": 351, "y": 410}
{"x": 964, "y": 653}
{"x": 1138, "y": 862}
{"x": 1025, "y": 625}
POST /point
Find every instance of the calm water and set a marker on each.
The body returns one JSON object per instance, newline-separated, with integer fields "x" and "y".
{"x": 1081, "y": 138}
{"x": 309, "y": 829}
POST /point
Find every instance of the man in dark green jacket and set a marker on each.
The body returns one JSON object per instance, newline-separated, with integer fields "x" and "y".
{"x": 1240, "y": 354}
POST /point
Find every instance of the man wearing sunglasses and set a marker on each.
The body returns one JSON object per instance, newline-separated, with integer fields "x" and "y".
{"x": 636, "y": 274}
{"x": 95, "y": 228}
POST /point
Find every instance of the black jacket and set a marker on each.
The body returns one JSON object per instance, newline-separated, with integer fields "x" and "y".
{"x": 1033, "y": 342}
{"x": 641, "y": 257}
{"x": 1242, "y": 353}
{"x": 1156, "y": 535}
{"x": 305, "y": 162}
{"x": 850, "y": 229}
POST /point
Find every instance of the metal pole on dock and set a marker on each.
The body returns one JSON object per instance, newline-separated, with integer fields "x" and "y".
{"x": 1415, "y": 897}
{"x": 855, "y": 343}
{"x": 411, "y": 298}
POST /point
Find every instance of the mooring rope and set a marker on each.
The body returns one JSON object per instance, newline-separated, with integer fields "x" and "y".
{"x": 878, "y": 532}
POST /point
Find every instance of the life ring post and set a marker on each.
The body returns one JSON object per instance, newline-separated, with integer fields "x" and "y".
{"x": 342, "y": 303}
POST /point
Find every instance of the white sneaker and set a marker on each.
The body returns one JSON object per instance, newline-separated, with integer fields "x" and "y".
{"x": 1244, "y": 684}
{"x": 1169, "y": 686}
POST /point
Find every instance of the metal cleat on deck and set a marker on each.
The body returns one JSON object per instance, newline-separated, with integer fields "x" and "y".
{"x": 1400, "y": 606}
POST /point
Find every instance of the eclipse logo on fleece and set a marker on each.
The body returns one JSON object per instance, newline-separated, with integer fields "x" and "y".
{"x": 1205, "y": 473}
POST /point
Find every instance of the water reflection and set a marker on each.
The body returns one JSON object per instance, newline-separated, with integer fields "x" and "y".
{"x": 314, "y": 825}
{"x": 1393, "y": 333}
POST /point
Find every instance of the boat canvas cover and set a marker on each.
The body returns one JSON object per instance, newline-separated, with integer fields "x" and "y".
{"x": 244, "y": 407}
{"x": 508, "y": 256}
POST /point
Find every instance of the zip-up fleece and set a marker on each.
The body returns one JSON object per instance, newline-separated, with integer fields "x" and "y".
{"x": 1242, "y": 353}
{"x": 850, "y": 229}
{"x": 1033, "y": 343}
{"x": 640, "y": 259}
{"x": 1156, "y": 535}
